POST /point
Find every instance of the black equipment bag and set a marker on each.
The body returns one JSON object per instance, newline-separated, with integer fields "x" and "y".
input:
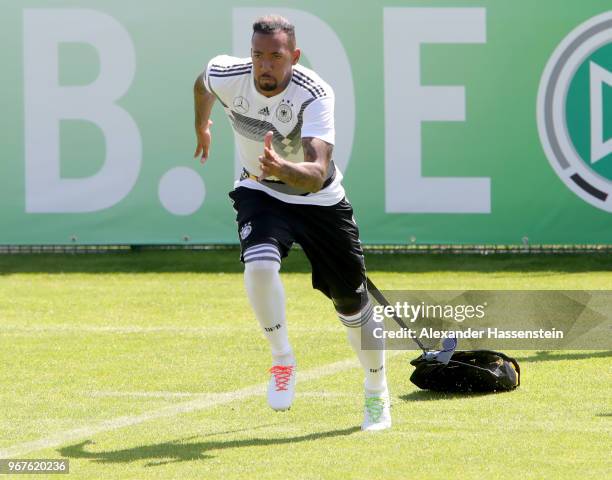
{"x": 468, "y": 371}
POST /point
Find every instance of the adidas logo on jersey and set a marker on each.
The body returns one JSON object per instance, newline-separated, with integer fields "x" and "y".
{"x": 264, "y": 111}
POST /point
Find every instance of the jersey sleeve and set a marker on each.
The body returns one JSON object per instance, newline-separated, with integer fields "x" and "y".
{"x": 207, "y": 78}
{"x": 318, "y": 120}
{"x": 219, "y": 75}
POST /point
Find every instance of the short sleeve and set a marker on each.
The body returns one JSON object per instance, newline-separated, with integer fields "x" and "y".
{"x": 318, "y": 120}
{"x": 223, "y": 73}
{"x": 207, "y": 80}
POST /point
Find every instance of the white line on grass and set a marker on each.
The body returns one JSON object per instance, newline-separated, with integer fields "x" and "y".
{"x": 201, "y": 396}
{"x": 127, "y": 329}
{"x": 164, "y": 395}
{"x": 87, "y": 431}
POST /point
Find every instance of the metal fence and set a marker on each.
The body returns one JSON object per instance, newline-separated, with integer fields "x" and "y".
{"x": 429, "y": 249}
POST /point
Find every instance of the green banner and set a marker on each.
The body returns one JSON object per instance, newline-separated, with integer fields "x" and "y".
{"x": 456, "y": 122}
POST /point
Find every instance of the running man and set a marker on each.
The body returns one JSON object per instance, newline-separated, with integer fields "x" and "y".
{"x": 290, "y": 191}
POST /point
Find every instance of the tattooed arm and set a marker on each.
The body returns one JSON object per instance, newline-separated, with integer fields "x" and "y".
{"x": 309, "y": 175}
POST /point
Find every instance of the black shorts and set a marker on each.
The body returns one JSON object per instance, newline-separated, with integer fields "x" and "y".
{"x": 328, "y": 235}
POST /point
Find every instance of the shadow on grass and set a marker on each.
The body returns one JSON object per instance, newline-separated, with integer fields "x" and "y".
{"x": 427, "y": 395}
{"x": 227, "y": 261}
{"x": 555, "y": 356}
{"x": 178, "y": 451}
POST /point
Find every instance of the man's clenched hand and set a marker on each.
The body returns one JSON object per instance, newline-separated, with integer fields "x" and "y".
{"x": 270, "y": 162}
{"x": 204, "y": 139}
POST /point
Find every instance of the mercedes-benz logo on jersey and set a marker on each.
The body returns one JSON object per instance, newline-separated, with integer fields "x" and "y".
{"x": 575, "y": 111}
{"x": 241, "y": 105}
{"x": 284, "y": 113}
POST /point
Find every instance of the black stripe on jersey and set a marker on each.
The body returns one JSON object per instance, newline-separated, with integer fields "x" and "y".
{"x": 240, "y": 69}
{"x": 312, "y": 91}
{"x": 230, "y": 74}
{"x": 234, "y": 70}
{"x": 297, "y": 130}
{"x": 310, "y": 81}
{"x": 214, "y": 66}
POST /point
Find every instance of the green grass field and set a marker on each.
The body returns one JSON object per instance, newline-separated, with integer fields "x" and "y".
{"x": 151, "y": 365}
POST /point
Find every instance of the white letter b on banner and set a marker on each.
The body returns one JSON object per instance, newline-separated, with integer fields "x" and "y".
{"x": 47, "y": 103}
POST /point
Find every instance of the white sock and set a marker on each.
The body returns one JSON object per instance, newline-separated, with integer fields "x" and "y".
{"x": 267, "y": 296}
{"x": 372, "y": 361}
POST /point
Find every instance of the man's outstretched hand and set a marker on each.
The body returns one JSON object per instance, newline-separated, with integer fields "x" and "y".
{"x": 204, "y": 139}
{"x": 270, "y": 163}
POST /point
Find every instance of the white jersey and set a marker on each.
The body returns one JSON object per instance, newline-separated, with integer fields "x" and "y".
{"x": 304, "y": 109}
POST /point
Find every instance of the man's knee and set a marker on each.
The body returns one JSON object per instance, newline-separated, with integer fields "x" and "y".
{"x": 264, "y": 257}
{"x": 350, "y": 304}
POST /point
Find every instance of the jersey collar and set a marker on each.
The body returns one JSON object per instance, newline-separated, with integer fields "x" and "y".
{"x": 263, "y": 98}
